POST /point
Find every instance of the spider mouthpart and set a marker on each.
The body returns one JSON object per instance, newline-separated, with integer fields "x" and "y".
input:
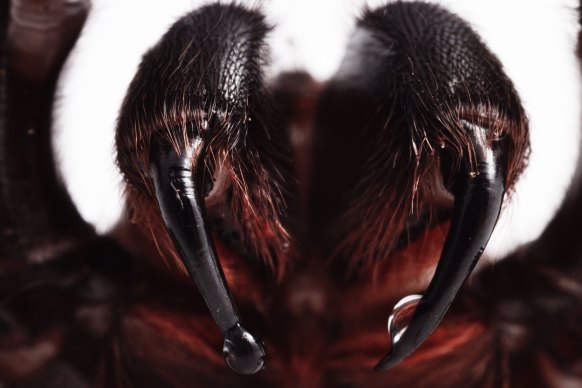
{"x": 478, "y": 200}
{"x": 186, "y": 135}
{"x": 435, "y": 82}
{"x": 179, "y": 189}
{"x": 242, "y": 352}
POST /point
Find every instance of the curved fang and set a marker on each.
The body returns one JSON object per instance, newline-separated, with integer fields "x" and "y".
{"x": 180, "y": 197}
{"x": 478, "y": 200}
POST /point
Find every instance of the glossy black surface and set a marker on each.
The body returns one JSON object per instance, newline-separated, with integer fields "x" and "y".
{"x": 478, "y": 199}
{"x": 243, "y": 352}
{"x": 181, "y": 202}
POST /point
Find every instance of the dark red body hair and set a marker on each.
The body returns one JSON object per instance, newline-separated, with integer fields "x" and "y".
{"x": 109, "y": 312}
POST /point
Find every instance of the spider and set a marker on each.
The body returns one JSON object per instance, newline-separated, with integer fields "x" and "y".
{"x": 285, "y": 190}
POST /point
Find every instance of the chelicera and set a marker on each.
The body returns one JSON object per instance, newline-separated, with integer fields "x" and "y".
{"x": 412, "y": 148}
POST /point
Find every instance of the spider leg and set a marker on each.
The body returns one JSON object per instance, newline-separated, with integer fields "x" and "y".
{"x": 532, "y": 302}
{"x": 537, "y": 319}
{"x": 40, "y": 304}
{"x": 37, "y": 217}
